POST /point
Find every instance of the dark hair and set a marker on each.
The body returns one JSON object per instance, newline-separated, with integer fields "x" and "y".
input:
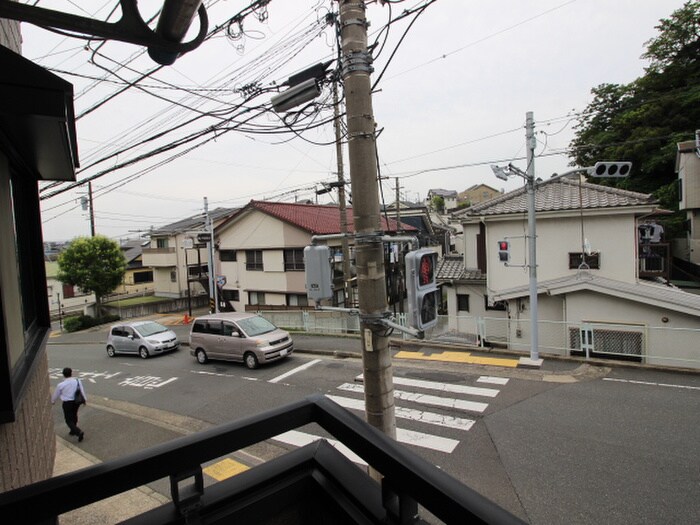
{"x": 67, "y": 372}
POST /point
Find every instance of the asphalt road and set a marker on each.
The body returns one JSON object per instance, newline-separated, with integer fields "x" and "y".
{"x": 567, "y": 444}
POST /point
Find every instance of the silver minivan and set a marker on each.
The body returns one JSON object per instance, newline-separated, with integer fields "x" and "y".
{"x": 245, "y": 337}
{"x": 144, "y": 338}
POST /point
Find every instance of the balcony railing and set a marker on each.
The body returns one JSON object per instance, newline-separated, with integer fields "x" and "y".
{"x": 314, "y": 484}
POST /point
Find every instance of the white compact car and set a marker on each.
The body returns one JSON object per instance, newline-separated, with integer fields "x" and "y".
{"x": 144, "y": 338}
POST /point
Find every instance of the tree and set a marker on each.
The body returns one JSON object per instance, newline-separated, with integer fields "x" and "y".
{"x": 94, "y": 264}
{"x": 438, "y": 203}
{"x": 643, "y": 121}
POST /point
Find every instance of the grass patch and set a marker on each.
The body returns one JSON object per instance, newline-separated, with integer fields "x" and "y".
{"x": 137, "y": 300}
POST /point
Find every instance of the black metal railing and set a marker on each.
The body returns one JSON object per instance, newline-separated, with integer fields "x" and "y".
{"x": 313, "y": 484}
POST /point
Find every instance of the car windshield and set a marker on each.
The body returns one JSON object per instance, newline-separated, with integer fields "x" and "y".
{"x": 151, "y": 328}
{"x": 253, "y": 326}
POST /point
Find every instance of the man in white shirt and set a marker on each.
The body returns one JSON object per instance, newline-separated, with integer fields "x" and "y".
{"x": 66, "y": 390}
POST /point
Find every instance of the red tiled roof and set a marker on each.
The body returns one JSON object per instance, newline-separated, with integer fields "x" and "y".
{"x": 315, "y": 218}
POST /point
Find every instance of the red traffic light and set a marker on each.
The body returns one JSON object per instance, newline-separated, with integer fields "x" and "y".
{"x": 503, "y": 245}
{"x": 426, "y": 270}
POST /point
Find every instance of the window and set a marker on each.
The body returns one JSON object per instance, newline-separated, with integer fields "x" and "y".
{"x": 256, "y": 298}
{"x": 162, "y": 242}
{"x": 254, "y": 260}
{"x": 592, "y": 260}
{"x": 497, "y": 305}
{"x": 680, "y": 190}
{"x": 197, "y": 270}
{"x": 143, "y": 277}
{"x": 227, "y": 255}
{"x": 293, "y": 260}
{"x": 462, "y": 302}
{"x": 297, "y": 300}
{"x": 231, "y": 295}
{"x": 68, "y": 291}
{"x": 173, "y": 276}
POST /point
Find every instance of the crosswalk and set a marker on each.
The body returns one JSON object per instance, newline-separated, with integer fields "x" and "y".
{"x": 418, "y": 403}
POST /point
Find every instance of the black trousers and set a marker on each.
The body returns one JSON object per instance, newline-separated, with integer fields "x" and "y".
{"x": 70, "y": 413}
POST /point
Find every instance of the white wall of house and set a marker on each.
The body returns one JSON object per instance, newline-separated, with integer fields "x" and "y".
{"x": 688, "y": 165}
{"x": 667, "y": 343}
{"x": 260, "y": 231}
{"x": 614, "y": 236}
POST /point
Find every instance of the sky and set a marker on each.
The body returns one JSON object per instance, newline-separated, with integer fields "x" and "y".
{"x": 453, "y": 86}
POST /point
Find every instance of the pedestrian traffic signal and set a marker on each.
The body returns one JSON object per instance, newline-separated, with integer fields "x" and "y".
{"x": 611, "y": 169}
{"x": 421, "y": 268}
{"x": 504, "y": 251}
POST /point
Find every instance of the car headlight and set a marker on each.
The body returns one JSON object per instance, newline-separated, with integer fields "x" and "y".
{"x": 153, "y": 342}
{"x": 260, "y": 343}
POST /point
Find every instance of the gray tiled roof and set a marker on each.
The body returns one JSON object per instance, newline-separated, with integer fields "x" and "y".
{"x": 451, "y": 268}
{"x": 192, "y": 223}
{"x": 559, "y": 194}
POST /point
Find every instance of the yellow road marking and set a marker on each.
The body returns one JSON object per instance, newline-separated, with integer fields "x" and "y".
{"x": 224, "y": 469}
{"x": 459, "y": 357}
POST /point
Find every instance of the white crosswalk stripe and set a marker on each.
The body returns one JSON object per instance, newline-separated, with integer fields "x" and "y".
{"x": 446, "y": 402}
{"x": 454, "y": 423}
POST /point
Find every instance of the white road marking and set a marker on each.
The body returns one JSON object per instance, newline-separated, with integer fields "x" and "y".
{"x": 419, "y": 439}
{"x": 493, "y": 380}
{"x": 432, "y": 418}
{"x": 294, "y": 371}
{"x": 443, "y": 387}
{"x": 649, "y": 383}
{"x": 458, "y": 404}
{"x": 300, "y": 439}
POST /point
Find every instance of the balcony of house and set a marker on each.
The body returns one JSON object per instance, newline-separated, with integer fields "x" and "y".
{"x": 314, "y": 484}
{"x": 155, "y": 257}
{"x": 654, "y": 260}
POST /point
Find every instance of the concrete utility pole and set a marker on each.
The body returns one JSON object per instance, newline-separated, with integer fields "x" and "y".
{"x": 369, "y": 250}
{"x": 92, "y": 210}
{"x": 210, "y": 254}
{"x": 532, "y": 233}
{"x": 347, "y": 286}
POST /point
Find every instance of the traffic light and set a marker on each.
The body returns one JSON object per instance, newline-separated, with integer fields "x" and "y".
{"x": 504, "y": 251}
{"x": 611, "y": 169}
{"x": 422, "y": 289}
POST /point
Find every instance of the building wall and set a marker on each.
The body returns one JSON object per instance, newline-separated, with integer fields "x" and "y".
{"x": 689, "y": 177}
{"x": 28, "y": 444}
{"x": 260, "y": 231}
{"x": 614, "y": 236}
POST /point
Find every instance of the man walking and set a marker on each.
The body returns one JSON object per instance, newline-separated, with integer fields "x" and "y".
{"x": 66, "y": 390}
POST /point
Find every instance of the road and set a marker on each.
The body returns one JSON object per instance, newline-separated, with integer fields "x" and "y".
{"x": 569, "y": 444}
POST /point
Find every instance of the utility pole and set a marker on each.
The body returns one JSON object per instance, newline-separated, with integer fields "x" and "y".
{"x": 210, "y": 255}
{"x": 347, "y": 287}
{"x": 369, "y": 249}
{"x": 532, "y": 233}
{"x": 398, "y": 205}
{"x": 92, "y": 210}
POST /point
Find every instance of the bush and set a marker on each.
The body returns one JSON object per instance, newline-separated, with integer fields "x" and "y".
{"x": 73, "y": 324}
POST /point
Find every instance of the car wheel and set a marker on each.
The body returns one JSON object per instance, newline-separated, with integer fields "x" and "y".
{"x": 201, "y": 356}
{"x": 110, "y": 351}
{"x": 143, "y": 352}
{"x": 250, "y": 360}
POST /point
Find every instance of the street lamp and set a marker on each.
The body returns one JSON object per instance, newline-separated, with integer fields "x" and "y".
{"x": 503, "y": 174}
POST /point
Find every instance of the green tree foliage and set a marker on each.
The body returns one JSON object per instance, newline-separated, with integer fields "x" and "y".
{"x": 438, "y": 203}
{"x": 643, "y": 121}
{"x": 94, "y": 264}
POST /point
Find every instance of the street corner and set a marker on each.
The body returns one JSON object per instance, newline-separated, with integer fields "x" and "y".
{"x": 451, "y": 356}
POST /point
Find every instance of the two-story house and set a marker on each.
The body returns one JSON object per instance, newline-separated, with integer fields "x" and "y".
{"x": 178, "y": 261}
{"x": 448, "y": 196}
{"x": 261, "y": 252}
{"x": 595, "y": 267}
{"x": 688, "y": 169}
{"x": 477, "y": 194}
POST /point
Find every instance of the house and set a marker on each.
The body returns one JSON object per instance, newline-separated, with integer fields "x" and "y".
{"x": 688, "y": 169}
{"x": 449, "y": 196}
{"x": 261, "y": 252}
{"x": 65, "y": 299}
{"x": 178, "y": 260}
{"x": 418, "y": 216}
{"x": 477, "y": 194}
{"x": 138, "y": 279}
{"x": 38, "y": 144}
{"x": 595, "y": 268}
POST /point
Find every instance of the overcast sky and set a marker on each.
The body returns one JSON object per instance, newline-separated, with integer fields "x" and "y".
{"x": 451, "y": 102}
